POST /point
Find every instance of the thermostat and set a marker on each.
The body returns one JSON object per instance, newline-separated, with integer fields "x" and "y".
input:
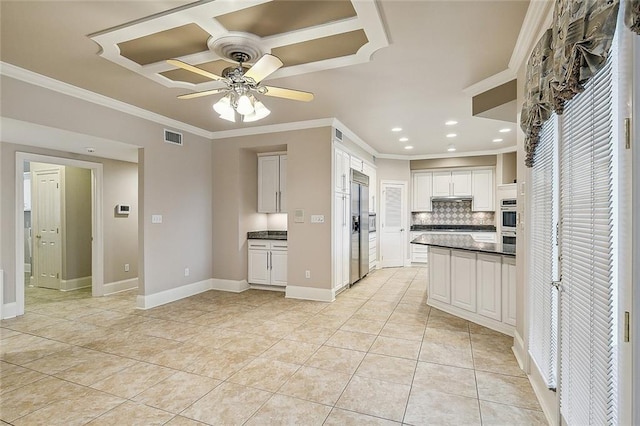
{"x": 123, "y": 209}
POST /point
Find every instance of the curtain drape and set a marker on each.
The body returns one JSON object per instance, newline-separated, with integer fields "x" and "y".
{"x": 565, "y": 58}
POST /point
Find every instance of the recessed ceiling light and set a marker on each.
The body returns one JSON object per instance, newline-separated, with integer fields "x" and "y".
{"x": 505, "y": 130}
{"x": 403, "y": 139}
{"x": 451, "y": 148}
{"x": 451, "y": 123}
{"x": 451, "y": 135}
{"x": 396, "y": 129}
{"x": 408, "y": 147}
{"x": 497, "y": 140}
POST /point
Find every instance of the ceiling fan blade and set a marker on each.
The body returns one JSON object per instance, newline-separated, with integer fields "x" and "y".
{"x": 178, "y": 63}
{"x": 205, "y": 93}
{"x": 296, "y": 95}
{"x": 265, "y": 66}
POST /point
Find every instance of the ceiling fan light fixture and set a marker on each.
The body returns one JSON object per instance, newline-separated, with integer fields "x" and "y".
{"x": 245, "y": 106}
{"x": 229, "y": 115}
{"x": 223, "y": 106}
{"x": 260, "y": 111}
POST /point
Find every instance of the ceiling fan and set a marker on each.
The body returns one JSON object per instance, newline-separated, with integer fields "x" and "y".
{"x": 240, "y": 86}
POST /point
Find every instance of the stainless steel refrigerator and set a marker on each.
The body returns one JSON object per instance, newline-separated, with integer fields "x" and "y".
{"x": 359, "y": 265}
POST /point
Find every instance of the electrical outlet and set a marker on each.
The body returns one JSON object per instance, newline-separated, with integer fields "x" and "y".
{"x": 156, "y": 218}
{"x": 317, "y": 218}
{"x": 186, "y": 272}
{"x": 126, "y": 267}
{"x": 307, "y": 274}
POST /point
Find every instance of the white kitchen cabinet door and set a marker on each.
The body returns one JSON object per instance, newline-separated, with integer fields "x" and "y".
{"x": 282, "y": 173}
{"x": 422, "y": 189}
{"x": 341, "y": 171}
{"x": 441, "y": 184}
{"x": 278, "y": 264}
{"x": 259, "y": 267}
{"x": 463, "y": 280}
{"x": 440, "y": 274}
{"x": 489, "y": 276}
{"x": 268, "y": 183}
{"x": 371, "y": 172}
{"x": 482, "y": 190}
{"x": 461, "y": 183}
{"x": 509, "y": 290}
{"x": 341, "y": 240}
{"x": 356, "y": 163}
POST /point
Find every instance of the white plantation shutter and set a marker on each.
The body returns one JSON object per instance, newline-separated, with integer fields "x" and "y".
{"x": 588, "y": 369}
{"x": 543, "y": 299}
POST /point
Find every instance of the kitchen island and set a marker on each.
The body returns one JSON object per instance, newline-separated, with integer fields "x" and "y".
{"x": 472, "y": 280}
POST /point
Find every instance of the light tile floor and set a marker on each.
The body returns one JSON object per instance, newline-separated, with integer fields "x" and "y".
{"x": 377, "y": 355}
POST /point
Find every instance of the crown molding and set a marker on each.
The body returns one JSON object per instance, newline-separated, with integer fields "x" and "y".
{"x": 354, "y": 138}
{"x": 536, "y": 21}
{"x": 448, "y": 155}
{"x": 49, "y": 83}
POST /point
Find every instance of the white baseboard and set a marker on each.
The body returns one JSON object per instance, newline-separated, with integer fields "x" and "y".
{"x": 152, "y": 300}
{"x": 9, "y": 310}
{"x": 279, "y": 288}
{"x": 521, "y": 352}
{"x": 233, "y": 286}
{"x": 310, "y": 293}
{"x": 75, "y": 283}
{"x": 548, "y": 399}
{"x": 118, "y": 286}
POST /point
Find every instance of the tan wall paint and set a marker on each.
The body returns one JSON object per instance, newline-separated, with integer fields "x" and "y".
{"x": 77, "y": 223}
{"x": 509, "y": 167}
{"x": 175, "y": 181}
{"x": 235, "y": 194}
{"x": 437, "y": 163}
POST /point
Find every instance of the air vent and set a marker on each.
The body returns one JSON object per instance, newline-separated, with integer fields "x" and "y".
{"x": 172, "y": 137}
{"x": 338, "y": 135}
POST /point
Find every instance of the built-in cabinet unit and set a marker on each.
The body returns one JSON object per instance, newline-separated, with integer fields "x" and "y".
{"x": 479, "y": 287}
{"x": 373, "y": 251}
{"x": 476, "y": 183}
{"x": 457, "y": 182}
{"x": 482, "y": 189}
{"x": 267, "y": 263}
{"x": 422, "y": 189}
{"x": 272, "y": 183}
{"x": 418, "y": 253}
{"x": 343, "y": 161}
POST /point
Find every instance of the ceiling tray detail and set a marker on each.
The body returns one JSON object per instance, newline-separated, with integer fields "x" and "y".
{"x": 310, "y": 35}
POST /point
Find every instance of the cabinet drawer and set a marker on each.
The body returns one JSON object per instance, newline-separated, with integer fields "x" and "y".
{"x": 259, "y": 244}
{"x": 418, "y": 248}
{"x": 279, "y": 245}
{"x": 420, "y": 257}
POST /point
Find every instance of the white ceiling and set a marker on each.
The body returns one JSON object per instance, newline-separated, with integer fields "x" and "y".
{"x": 436, "y": 50}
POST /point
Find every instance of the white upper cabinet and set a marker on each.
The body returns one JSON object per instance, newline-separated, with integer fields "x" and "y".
{"x": 446, "y": 183}
{"x": 342, "y": 163}
{"x": 422, "y": 190}
{"x": 272, "y": 182}
{"x": 482, "y": 189}
{"x": 371, "y": 172}
{"x": 357, "y": 164}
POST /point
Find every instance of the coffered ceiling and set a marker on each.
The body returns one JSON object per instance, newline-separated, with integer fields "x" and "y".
{"x": 373, "y": 65}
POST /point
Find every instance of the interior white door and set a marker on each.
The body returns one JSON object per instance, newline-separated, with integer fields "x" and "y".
{"x": 48, "y": 253}
{"x": 393, "y": 224}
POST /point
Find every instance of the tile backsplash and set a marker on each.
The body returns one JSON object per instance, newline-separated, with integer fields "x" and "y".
{"x": 452, "y": 213}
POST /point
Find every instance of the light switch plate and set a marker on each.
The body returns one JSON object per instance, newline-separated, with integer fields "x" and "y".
{"x": 317, "y": 218}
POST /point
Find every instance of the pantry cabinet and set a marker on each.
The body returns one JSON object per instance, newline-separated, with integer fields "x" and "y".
{"x": 341, "y": 240}
{"x": 272, "y": 183}
{"x": 341, "y": 165}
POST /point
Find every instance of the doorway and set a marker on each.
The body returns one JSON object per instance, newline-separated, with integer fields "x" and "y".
{"x": 393, "y": 221}
{"x": 44, "y": 231}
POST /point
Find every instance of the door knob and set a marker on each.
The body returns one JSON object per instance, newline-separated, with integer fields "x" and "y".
{"x": 38, "y": 236}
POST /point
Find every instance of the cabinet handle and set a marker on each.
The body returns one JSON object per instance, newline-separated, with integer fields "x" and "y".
{"x": 344, "y": 182}
{"x": 267, "y": 253}
{"x": 276, "y": 194}
{"x": 280, "y": 201}
{"x": 344, "y": 210}
{"x": 270, "y": 260}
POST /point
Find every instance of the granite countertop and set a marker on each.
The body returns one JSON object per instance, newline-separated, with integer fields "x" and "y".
{"x": 454, "y": 228}
{"x": 465, "y": 242}
{"x": 267, "y": 235}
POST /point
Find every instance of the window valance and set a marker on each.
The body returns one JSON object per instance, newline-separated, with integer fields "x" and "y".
{"x": 566, "y": 57}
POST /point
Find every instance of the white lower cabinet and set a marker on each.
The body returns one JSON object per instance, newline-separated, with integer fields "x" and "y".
{"x": 373, "y": 251}
{"x": 479, "y": 287}
{"x": 489, "y": 279}
{"x": 440, "y": 274}
{"x": 419, "y": 253}
{"x": 509, "y": 290}
{"x": 267, "y": 262}
{"x": 463, "y": 279}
